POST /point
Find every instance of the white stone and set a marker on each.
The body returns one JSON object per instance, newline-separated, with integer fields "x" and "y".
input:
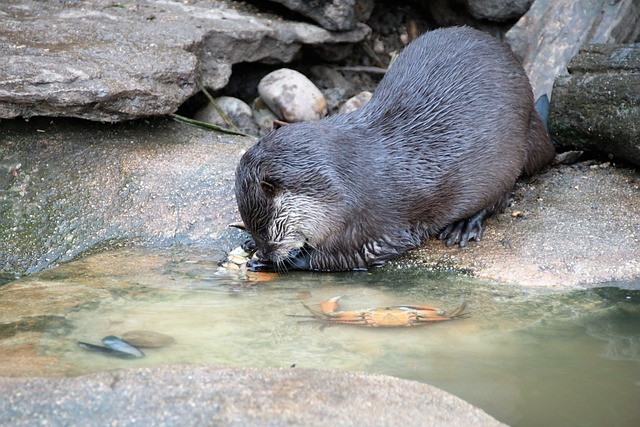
{"x": 292, "y": 96}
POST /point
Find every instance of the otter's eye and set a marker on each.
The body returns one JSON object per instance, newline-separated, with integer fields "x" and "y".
{"x": 268, "y": 189}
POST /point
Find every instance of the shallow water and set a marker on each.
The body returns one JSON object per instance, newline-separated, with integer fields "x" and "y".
{"x": 525, "y": 356}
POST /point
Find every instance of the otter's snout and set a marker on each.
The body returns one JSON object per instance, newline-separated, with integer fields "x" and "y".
{"x": 297, "y": 259}
{"x": 276, "y": 252}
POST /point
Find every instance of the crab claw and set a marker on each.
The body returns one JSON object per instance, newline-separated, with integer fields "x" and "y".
{"x": 330, "y": 305}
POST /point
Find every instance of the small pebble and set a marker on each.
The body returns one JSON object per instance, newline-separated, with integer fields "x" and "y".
{"x": 237, "y": 110}
{"x": 378, "y": 46}
{"x": 355, "y": 102}
{"x": 263, "y": 116}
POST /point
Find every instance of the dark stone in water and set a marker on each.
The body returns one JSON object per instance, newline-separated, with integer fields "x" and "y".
{"x": 115, "y": 347}
{"x": 121, "y": 345}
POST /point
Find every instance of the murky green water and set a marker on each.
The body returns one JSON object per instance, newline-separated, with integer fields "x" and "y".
{"x": 526, "y": 356}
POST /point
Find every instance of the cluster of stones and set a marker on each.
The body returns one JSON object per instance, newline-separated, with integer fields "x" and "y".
{"x": 285, "y": 95}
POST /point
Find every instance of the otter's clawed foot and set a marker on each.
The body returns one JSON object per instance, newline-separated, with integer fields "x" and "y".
{"x": 464, "y": 230}
{"x": 249, "y": 246}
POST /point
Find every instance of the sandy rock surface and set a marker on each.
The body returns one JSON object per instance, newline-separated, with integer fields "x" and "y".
{"x": 571, "y": 226}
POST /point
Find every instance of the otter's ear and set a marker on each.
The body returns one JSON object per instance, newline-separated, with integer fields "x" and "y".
{"x": 268, "y": 189}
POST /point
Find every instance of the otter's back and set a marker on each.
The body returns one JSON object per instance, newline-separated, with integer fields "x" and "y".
{"x": 460, "y": 102}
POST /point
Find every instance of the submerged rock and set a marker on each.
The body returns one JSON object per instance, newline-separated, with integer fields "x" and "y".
{"x": 113, "y": 346}
{"x": 148, "y": 339}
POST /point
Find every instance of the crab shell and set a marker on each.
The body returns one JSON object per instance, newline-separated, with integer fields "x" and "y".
{"x": 394, "y": 316}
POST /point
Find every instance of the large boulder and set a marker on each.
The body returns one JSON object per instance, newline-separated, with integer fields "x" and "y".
{"x": 207, "y": 395}
{"x": 69, "y": 186}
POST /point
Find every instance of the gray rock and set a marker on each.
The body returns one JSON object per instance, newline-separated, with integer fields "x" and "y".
{"x": 68, "y": 186}
{"x": 447, "y": 13}
{"x": 207, "y": 395}
{"x": 552, "y": 32}
{"x": 235, "y": 109}
{"x": 263, "y": 116}
{"x": 334, "y": 86}
{"x": 335, "y": 15}
{"x": 580, "y": 119}
{"x": 292, "y": 96}
{"x": 498, "y": 10}
{"x": 100, "y": 62}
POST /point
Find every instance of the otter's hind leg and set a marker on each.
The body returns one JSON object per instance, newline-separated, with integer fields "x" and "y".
{"x": 460, "y": 232}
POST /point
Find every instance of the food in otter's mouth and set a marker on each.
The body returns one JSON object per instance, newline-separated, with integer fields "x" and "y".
{"x": 438, "y": 148}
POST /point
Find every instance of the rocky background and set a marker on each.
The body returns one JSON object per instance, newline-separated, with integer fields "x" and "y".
{"x": 71, "y": 186}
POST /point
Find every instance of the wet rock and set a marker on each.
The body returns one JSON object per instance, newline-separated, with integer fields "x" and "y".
{"x": 232, "y": 396}
{"x": 596, "y": 107}
{"x": 497, "y": 10}
{"x": 551, "y": 33}
{"x": 292, "y": 96}
{"x": 334, "y": 15}
{"x": 235, "y": 109}
{"x": 83, "y": 186}
{"x": 148, "y": 339}
{"x": 355, "y": 102}
{"x": 263, "y": 116}
{"x": 110, "y": 63}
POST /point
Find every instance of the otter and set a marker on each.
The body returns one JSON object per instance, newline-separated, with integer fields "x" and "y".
{"x": 439, "y": 147}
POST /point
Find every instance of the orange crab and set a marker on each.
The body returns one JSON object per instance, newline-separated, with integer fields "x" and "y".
{"x": 394, "y": 316}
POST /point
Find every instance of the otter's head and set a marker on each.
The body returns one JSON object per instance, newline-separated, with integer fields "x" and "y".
{"x": 288, "y": 195}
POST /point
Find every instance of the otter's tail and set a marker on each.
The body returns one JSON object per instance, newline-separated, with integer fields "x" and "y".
{"x": 540, "y": 150}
